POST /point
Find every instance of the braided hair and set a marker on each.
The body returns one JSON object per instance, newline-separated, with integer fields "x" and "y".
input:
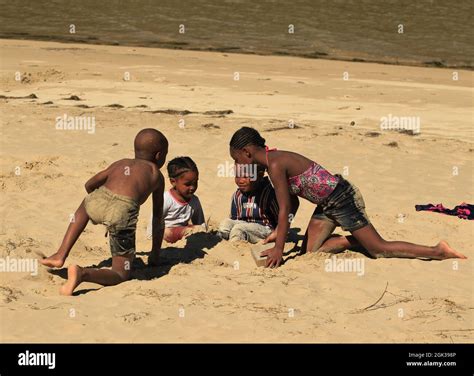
{"x": 179, "y": 165}
{"x": 246, "y": 136}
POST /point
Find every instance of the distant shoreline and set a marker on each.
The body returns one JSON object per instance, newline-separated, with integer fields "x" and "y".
{"x": 186, "y": 47}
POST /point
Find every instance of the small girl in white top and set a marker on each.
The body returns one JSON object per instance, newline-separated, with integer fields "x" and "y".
{"x": 180, "y": 205}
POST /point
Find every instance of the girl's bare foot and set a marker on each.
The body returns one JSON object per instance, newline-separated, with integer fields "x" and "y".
{"x": 53, "y": 261}
{"x": 445, "y": 251}
{"x": 74, "y": 278}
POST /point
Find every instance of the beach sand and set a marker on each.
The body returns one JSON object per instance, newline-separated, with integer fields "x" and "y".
{"x": 208, "y": 290}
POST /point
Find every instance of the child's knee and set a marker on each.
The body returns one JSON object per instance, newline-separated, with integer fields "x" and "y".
{"x": 173, "y": 234}
{"x": 124, "y": 275}
{"x": 238, "y": 233}
{"x": 223, "y": 234}
{"x": 316, "y": 246}
{"x": 122, "y": 266}
{"x": 225, "y": 228}
{"x": 226, "y": 224}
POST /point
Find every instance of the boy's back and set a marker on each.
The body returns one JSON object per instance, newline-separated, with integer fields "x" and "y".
{"x": 134, "y": 178}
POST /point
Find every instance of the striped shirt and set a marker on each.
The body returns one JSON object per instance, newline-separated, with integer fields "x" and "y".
{"x": 259, "y": 206}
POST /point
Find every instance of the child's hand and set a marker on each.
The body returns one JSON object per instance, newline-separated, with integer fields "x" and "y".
{"x": 274, "y": 257}
{"x": 270, "y": 238}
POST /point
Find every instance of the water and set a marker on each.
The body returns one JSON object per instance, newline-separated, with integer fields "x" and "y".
{"x": 435, "y": 32}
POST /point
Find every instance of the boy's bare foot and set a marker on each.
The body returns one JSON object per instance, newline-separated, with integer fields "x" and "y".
{"x": 74, "y": 278}
{"x": 53, "y": 261}
{"x": 446, "y": 252}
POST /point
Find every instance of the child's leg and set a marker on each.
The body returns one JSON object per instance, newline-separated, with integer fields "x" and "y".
{"x": 316, "y": 234}
{"x": 173, "y": 234}
{"x": 248, "y": 231}
{"x": 337, "y": 244}
{"x": 320, "y": 240}
{"x": 120, "y": 272}
{"x": 378, "y": 247}
{"x": 317, "y": 237}
{"x": 73, "y": 232}
{"x": 225, "y": 227}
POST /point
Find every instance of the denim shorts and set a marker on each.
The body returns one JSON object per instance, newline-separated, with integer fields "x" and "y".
{"x": 344, "y": 207}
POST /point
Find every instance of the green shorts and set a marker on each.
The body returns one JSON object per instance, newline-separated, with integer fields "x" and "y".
{"x": 119, "y": 214}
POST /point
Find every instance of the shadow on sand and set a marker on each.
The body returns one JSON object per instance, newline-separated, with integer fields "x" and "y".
{"x": 195, "y": 248}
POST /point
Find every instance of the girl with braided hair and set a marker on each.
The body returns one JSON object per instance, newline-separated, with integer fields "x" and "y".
{"x": 339, "y": 203}
{"x": 181, "y": 207}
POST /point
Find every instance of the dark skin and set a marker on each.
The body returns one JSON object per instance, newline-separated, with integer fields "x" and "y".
{"x": 284, "y": 164}
{"x": 183, "y": 188}
{"x": 134, "y": 178}
{"x": 279, "y": 173}
{"x": 185, "y": 185}
{"x": 247, "y": 185}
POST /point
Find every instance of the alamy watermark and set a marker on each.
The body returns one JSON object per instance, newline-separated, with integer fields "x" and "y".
{"x": 354, "y": 265}
{"x": 391, "y": 122}
{"x": 76, "y": 123}
{"x": 19, "y": 265}
{"x": 228, "y": 169}
{"x": 37, "y": 359}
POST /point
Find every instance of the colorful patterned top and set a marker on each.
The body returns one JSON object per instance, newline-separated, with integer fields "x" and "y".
{"x": 315, "y": 184}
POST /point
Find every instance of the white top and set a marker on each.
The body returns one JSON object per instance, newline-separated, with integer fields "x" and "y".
{"x": 178, "y": 213}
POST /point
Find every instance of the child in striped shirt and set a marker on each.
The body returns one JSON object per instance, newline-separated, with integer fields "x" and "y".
{"x": 254, "y": 209}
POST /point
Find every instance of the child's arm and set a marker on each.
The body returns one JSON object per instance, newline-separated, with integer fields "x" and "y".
{"x": 149, "y": 227}
{"x": 280, "y": 184}
{"x": 198, "y": 215}
{"x": 98, "y": 179}
{"x": 158, "y": 227}
{"x": 295, "y": 204}
{"x": 233, "y": 208}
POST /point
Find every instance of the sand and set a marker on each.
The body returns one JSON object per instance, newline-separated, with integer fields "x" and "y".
{"x": 208, "y": 290}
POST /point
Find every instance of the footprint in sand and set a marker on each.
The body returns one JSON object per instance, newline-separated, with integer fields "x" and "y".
{"x": 9, "y": 294}
{"x": 133, "y": 318}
